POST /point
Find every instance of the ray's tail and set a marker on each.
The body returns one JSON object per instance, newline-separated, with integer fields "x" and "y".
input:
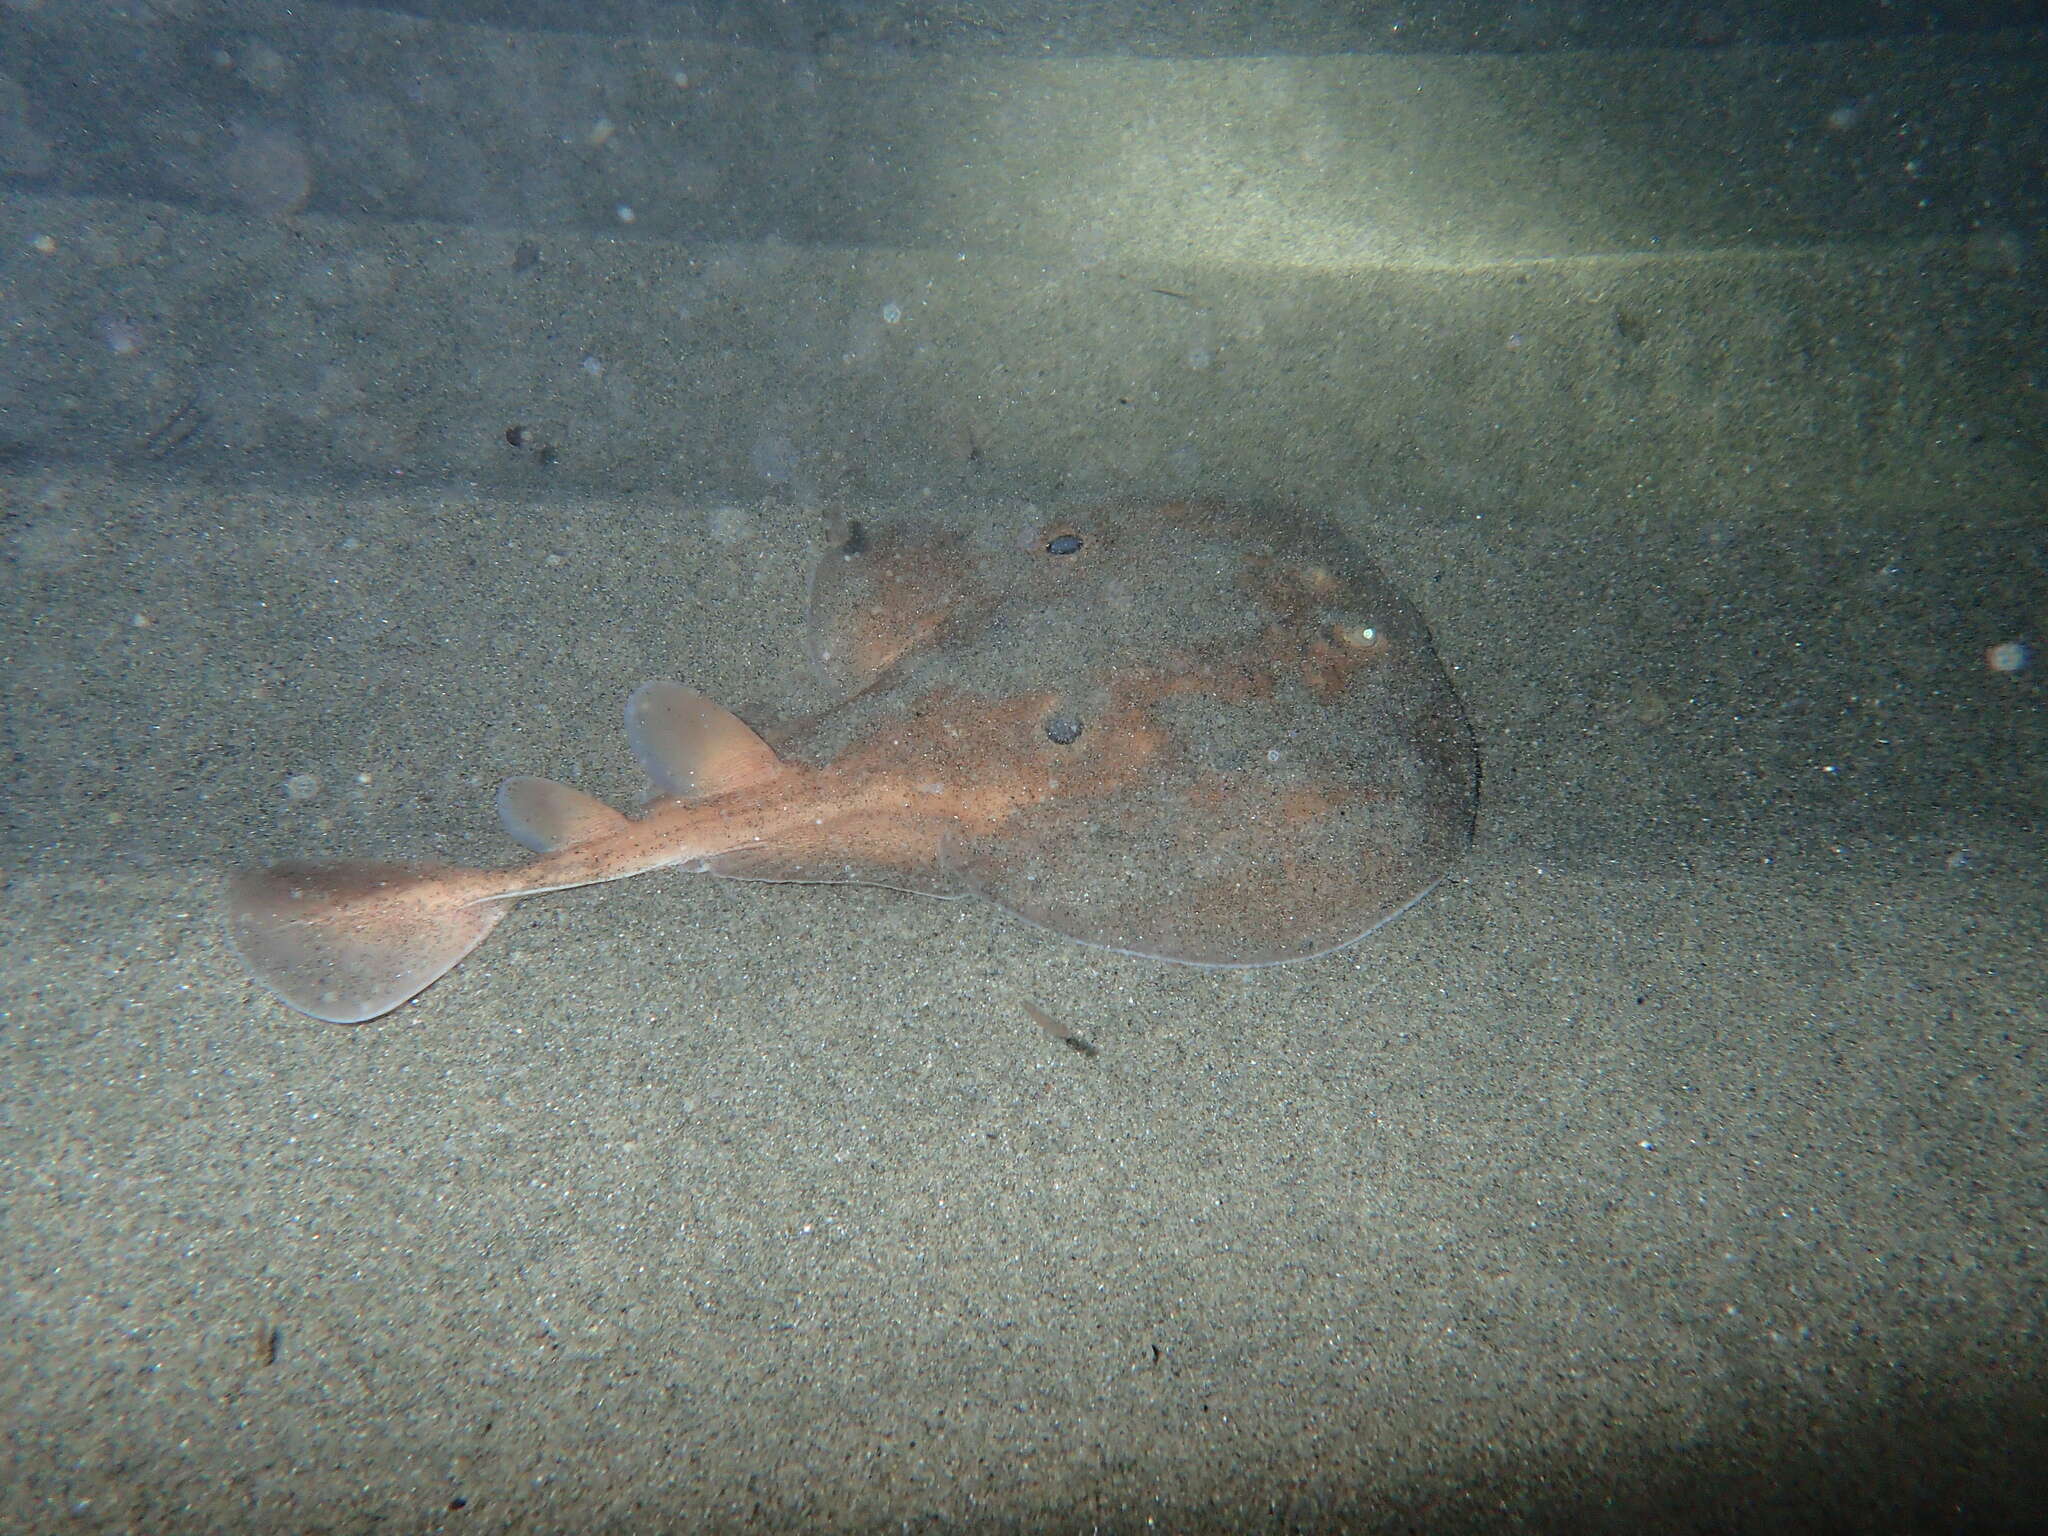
{"x": 345, "y": 942}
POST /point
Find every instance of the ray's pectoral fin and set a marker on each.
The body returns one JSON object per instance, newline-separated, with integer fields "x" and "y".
{"x": 346, "y": 942}
{"x": 692, "y": 747}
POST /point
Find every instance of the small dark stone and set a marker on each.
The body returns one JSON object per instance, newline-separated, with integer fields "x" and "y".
{"x": 1065, "y": 544}
{"x": 1062, "y": 728}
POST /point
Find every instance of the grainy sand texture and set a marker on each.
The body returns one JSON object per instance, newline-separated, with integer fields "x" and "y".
{"x": 387, "y": 392}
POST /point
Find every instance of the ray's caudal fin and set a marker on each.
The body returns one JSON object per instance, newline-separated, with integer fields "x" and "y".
{"x": 346, "y": 942}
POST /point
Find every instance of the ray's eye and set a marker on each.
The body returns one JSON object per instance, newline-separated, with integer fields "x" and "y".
{"x": 1359, "y": 636}
{"x": 1064, "y": 544}
{"x": 1063, "y": 729}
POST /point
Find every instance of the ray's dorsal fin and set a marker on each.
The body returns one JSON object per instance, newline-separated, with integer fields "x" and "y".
{"x": 543, "y": 815}
{"x": 692, "y": 747}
